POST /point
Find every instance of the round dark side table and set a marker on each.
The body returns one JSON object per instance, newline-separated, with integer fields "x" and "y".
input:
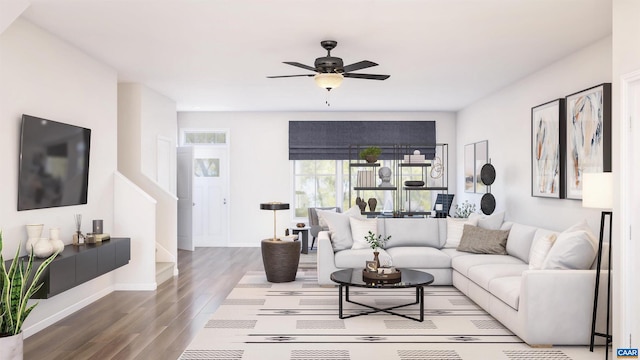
{"x": 280, "y": 259}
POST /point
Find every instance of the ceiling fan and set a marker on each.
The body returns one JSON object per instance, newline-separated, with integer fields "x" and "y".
{"x": 330, "y": 70}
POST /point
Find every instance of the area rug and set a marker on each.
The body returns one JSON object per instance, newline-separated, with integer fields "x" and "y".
{"x": 299, "y": 321}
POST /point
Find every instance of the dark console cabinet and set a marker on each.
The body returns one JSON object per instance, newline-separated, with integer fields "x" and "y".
{"x": 78, "y": 264}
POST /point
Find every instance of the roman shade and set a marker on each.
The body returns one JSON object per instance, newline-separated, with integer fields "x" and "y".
{"x": 331, "y": 140}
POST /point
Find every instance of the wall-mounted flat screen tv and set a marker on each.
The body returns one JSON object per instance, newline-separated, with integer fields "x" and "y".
{"x": 54, "y": 164}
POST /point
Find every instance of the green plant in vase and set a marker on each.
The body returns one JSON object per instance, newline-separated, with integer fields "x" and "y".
{"x": 15, "y": 291}
{"x": 465, "y": 209}
{"x": 376, "y": 242}
{"x": 370, "y": 154}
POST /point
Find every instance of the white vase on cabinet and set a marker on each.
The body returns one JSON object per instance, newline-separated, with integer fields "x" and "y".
{"x": 43, "y": 248}
{"x": 54, "y": 238}
{"x": 34, "y": 233}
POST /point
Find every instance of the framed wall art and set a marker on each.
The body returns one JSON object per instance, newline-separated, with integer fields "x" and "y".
{"x": 588, "y": 136}
{"x": 547, "y": 149}
{"x": 469, "y": 167}
{"x": 481, "y": 158}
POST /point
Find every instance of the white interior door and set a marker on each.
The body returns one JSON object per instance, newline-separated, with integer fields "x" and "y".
{"x": 185, "y": 197}
{"x": 210, "y": 196}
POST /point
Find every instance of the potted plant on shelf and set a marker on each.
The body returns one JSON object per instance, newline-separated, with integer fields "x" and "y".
{"x": 15, "y": 292}
{"x": 370, "y": 154}
{"x": 376, "y": 242}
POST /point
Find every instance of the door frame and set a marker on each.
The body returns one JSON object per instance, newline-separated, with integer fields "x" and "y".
{"x": 625, "y": 249}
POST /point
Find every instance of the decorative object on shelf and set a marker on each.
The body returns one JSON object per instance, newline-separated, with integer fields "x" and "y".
{"x": 372, "y": 204}
{"x": 488, "y": 176}
{"x": 465, "y": 209}
{"x": 15, "y": 292}
{"x": 588, "y": 136}
{"x": 361, "y": 204}
{"x": 54, "y": 238}
{"x": 414, "y": 183}
{"x": 370, "y": 154}
{"x": 385, "y": 175}
{"x": 78, "y": 237}
{"x": 301, "y": 225}
{"x": 437, "y": 168}
{"x": 366, "y": 178}
{"x": 43, "y": 248}
{"x": 34, "y": 233}
{"x": 275, "y": 206}
{"x": 416, "y": 158}
{"x": 97, "y": 227}
{"x": 597, "y": 192}
{"x": 547, "y": 144}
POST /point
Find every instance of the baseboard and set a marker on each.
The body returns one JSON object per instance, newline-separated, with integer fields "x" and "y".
{"x": 41, "y": 325}
{"x": 136, "y": 287}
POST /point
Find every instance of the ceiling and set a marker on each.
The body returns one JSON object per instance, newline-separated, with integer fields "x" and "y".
{"x": 214, "y": 55}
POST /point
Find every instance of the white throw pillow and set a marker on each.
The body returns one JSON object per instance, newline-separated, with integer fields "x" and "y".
{"x": 339, "y": 227}
{"x": 575, "y": 248}
{"x": 539, "y": 250}
{"x": 455, "y": 227}
{"x": 359, "y": 229}
{"x": 492, "y": 222}
{"x": 321, "y": 221}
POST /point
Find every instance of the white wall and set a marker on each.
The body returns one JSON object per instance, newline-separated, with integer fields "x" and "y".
{"x": 626, "y": 59}
{"x": 259, "y": 158}
{"x": 504, "y": 118}
{"x": 43, "y": 76}
{"x": 143, "y": 115}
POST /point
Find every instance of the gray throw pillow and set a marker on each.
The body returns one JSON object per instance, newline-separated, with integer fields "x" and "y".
{"x": 483, "y": 241}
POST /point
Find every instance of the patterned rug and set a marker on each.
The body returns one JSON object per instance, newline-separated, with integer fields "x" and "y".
{"x": 299, "y": 321}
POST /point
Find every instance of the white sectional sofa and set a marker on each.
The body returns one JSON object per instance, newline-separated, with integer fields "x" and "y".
{"x": 543, "y": 307}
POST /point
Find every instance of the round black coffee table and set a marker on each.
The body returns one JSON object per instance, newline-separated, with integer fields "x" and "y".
{"x": 410, "y": 279}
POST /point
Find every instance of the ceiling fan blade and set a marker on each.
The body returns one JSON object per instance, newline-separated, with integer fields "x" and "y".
{"x": 293, "y": 63}
{"x": 366, "y": 76}
{"x": 285, "y": 76}
{"x": 359, "y": 65}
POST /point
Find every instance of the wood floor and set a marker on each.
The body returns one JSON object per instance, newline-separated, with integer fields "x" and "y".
{"x": 148, "y": 324}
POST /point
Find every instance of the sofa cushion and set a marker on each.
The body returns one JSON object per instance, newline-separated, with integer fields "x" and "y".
{"x": 482, "y": 275}
{"x": 412, "y": 232}
{"x": 357, "y": 258}
{"x": 339, "y": 227}
{"x": 491, "y": 222}
{"x": 483, "y": 241}
{"x": 359, "y": 229}
{"x": 507, "y": 289}
{"x": 540, "y": 250}
{"x": 455, "y": 226}
{"x": 575, "y": 248}
{"x": 519, "y": 241}
{"x": 463, "y": 264}
{"x": 421, "y": 257}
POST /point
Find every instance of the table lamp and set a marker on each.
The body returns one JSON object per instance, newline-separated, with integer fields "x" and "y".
{"x": 597, "y": 192}
{"x": 275, "y": 206}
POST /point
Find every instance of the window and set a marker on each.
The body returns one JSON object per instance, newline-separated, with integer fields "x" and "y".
{"x": 204, "y": 137}
{"x": 319, "y": 183}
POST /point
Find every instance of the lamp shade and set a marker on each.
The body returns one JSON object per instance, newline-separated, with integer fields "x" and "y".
{"x": 274, "y": 206}
{"x": 597, "y": 190}
{"x": 328, "y": 80}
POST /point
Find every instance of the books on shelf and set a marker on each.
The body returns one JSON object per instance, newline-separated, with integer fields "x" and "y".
{"x": 366, "y": 178}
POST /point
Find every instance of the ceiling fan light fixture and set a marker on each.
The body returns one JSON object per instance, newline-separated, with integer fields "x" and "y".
{"x": 328, "y": 80}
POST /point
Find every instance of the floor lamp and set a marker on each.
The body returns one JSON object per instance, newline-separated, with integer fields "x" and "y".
{"x": 597, "y": 192}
